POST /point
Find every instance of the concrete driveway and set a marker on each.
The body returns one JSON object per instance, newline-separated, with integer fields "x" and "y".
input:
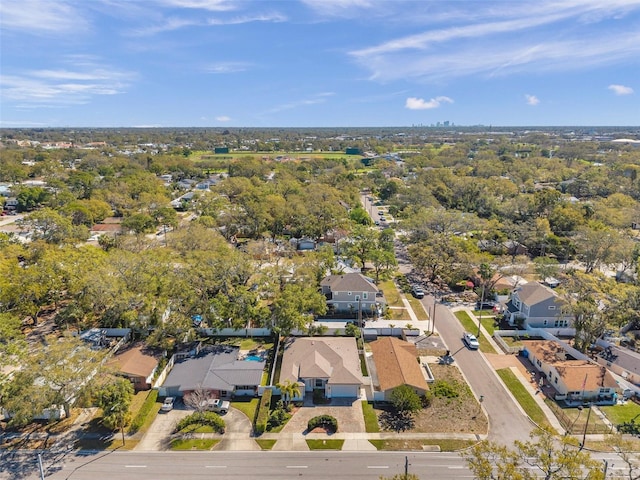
{"x": 348, "y": 412}
{"x": 157, "y": 437}
{"x": 237, "y": 435}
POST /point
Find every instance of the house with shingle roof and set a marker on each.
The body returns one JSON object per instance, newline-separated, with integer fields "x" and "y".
{"x": 533, "y": 305}
{"x": 396, "y": 363}
{"x": 576, "y": 381}
{"x": 138, "y": 364}
{"x": 328, "y": 364}
{"x": 348, "y": 292}
{"x": 219, "y": 371}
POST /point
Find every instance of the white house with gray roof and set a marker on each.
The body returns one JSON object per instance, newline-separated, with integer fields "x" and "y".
{"x": 329, "y": 364}
{"x": 534, "y": 305}
{"x": 219, "y": 371}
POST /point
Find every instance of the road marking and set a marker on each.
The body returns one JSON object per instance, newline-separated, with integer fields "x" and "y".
{"x": 377, "y": 466}
{"x": 297, "y": 466}
{"x": 457, "y": 467}
{"x": 135, "y": 466}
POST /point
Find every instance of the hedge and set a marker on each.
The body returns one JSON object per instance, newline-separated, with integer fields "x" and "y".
{"x": 327, "y": 422}
{"x": 263, "y": 412}
{"x": 202, "y": 418}
{"x": 144, "y": 411}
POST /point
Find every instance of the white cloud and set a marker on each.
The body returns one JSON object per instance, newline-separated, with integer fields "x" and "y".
{"x": 620, "y": 89}
{"x": 211, "y": 5}
{"x": 414, "y": 103}
{"x": 227, "y": 67}
{"x": 223, "y": 118}
{"x": 531, "y": 99}
{"x": 41, "y": 17}
{"x": 313, "y": 100}
{"x": 177, "y": 23}
{"x": 75, "y": 85}
{"x": 502, "y": 41}
{"x": 338, "y": 8}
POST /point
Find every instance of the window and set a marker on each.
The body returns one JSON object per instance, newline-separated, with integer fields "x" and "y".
{"x": 357, "y": 297}
{"x": 223, "y": 393}
{"x": 545, "y": 323}
{"x": 364, "y": 295}
{"x": 552, "y": 307}
{"x": 319, "y": 383}
{"x": 556, "y": 381}
{"x": 349, "y": 293}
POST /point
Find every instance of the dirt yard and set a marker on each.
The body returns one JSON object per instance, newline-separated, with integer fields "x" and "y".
{"x": 445, "y": 415}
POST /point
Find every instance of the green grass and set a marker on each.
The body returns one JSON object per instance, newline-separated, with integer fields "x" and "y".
{"x": 391, "y": 293}
{"x": 370, "y": 418}
{"x": 471, "y": 326}
{"x": 325, "y": 444}
{"x": 618, "y": 414}
{"x": 418, "y": 308}
{"x": 524, "y": 398}
{"x": 247, "y": 407}
{"x": 363, "y": 366}
{"x": 197, "y": 428}
{"x": 265, "y": 444}
{"x": 489, "y": 324}
{"x": 193, "y": 443}
{"x": 446, "y": 445}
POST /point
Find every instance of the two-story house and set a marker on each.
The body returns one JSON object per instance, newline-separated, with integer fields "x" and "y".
{"x": 534, "y": 305}
{"x": 350, "y": 293}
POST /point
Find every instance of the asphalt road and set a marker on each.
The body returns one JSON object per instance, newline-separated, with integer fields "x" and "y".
{"x": 506, "y": 421}
{"x": 243, "y": 465}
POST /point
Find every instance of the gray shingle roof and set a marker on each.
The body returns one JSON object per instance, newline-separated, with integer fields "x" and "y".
{"x": 349, "y": 282}
{"x": 532, "y": 293}
{"x": 217, "y": 369}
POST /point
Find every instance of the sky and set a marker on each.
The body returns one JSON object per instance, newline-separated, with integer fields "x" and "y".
{"x": 318, "y": 63}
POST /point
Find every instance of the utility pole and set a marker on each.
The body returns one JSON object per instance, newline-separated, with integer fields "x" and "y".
{"x": 584, "y": 435}
{"x": 406, "y": 467}
{"x": 40, "y": 466}
{"x": 481, "y": 305}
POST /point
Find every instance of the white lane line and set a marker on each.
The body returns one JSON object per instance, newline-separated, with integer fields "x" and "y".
{"x": 377, "y": 466}
{"x": 297, "y": 466}
{"x": 135, "y": 466}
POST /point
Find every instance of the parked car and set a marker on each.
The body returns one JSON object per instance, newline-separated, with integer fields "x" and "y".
{"x": 417, "y": 291}
{"x": 486, "y": 305}
{"x": 470, "y": 341}
{"x": 216, "y": 405}
{"x": 167, "y": 405}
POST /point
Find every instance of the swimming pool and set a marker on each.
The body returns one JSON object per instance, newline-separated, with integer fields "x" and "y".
{"x": 253, "y": 358}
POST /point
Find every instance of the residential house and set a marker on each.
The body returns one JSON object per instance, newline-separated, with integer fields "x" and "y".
{"x": 576, "y": 381}
{"x": 218, "y": 371}
{"x": 349, "y": 293}
{"x": 621, "y": 361}
{"x": 396, "y": 363}
{"x": 534, "y": 305}
{"x": 330, "y": 365}
{"x": 11, "y": 203}
{"x": 138, "y": 364}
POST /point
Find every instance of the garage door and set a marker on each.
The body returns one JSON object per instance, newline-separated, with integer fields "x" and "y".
{"x": 338, "y": 391}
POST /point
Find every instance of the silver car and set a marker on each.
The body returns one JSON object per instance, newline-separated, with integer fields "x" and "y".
{"x": 470, "y": 341}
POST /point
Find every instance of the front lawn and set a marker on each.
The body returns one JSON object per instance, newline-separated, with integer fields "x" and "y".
{"x": 325, "y": 444}
{"x": 247, "y": 405}
{"x": 446, "y": 445}
{"x": 370, "y": 418}
{"x": 265, "y": 444}
{"x": 619, "y": 414}
{"x": 524, "y": 398}
{"x": 193, "y": 443}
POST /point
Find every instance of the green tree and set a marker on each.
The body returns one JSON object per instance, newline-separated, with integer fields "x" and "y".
{"x": 114, "y": 398}
{"x": 544, "y": 456}
{"x": 294, "y": 308}
{"x": 288, "y": 391}
{"x": 405, "y": 400}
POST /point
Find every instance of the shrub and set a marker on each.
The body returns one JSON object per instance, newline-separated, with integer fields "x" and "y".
{"x": 442, "y": 388}
{"x": 146, "y": 408}
{"x": 263, "y": 412}
{"x": 327, "y": 422}
{"x": 202, "y": 418}
{"x": 279, "y": 416}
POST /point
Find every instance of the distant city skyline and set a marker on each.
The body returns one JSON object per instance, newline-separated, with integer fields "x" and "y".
{"x": 318, "y": 63}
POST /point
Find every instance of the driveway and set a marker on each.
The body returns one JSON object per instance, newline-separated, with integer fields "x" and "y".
{"x": 157, "y": 437}
{"x": 237, "y": 435}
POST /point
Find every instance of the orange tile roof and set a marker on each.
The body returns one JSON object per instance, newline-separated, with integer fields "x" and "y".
{"x": 397, "y": 364}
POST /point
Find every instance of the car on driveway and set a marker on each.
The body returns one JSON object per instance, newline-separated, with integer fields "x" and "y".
{"x": 470, "y": 341}
{"x": 417, "y": 291}
{"x": 216, "y": 405}
{"x": 167, "y": 405}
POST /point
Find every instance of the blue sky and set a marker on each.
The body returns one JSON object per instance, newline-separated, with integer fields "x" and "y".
{"x": 307, "y": 63}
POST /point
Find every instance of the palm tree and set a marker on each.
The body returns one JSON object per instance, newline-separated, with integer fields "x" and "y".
{"x": 288, "y": 391}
